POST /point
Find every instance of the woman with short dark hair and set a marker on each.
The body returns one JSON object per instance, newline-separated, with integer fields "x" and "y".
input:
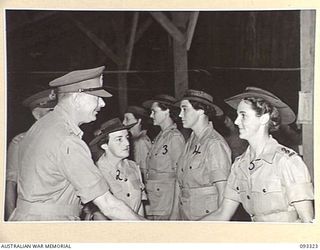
{"x": 205, "y": 165}
{"x": 162, "y": 158}
{"x": 270, "y": 180}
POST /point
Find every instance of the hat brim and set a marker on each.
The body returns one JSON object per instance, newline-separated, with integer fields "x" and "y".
{"x": 100, "y": 93}
{"x": 99, "y": 137}
{"x": 147, "y": 104}
{"x": 219, "y": 111}
{"x": 286, "y": 113}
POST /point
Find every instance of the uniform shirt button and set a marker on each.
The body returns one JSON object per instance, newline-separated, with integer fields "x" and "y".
{"x": 181, "y": 203}
{"x": 182, "y": 169}
{"x": 128, "y": 194}
{"x": 264, "y": 190}
{"x": 238, "y": 188}
{"x": 158, "y": 189}
{"x": 207, "y": 211}
{"x": 248, "y": 197}
{"x": 190, "y": 167}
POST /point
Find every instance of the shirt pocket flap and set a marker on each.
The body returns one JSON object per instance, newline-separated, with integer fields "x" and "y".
{"x": 240, "y": 186}
{"x": 273, "y": 185}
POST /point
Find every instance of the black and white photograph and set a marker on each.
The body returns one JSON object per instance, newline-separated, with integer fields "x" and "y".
{"x": 159, "y": 117}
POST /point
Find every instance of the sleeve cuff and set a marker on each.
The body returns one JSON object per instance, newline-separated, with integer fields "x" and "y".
{"x": 300, "y": 192}
{"x": 218, "y": 175}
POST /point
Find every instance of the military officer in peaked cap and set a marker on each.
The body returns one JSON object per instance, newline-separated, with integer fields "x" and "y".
{"x": 57, "y": 172}
{"x": 40, "y": 104}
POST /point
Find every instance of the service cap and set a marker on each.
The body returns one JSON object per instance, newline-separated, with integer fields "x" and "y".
{"x": 43, "y": 99}
{"x": 88, "y": 81}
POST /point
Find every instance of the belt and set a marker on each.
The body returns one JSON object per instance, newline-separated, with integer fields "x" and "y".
{"x": 161, "y": 176}
{"x": 187, "y": 192}
{"x": 287, "y": 216}
{"x": 48, "y": 209}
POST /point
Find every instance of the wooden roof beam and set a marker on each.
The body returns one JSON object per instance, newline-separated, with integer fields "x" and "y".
{"x": 143, "y": 28}
{"x": 97, "y": 41}
{"x": 35, "y": 19}
{"x": 168, "y": 26}
{"x": 191, "y": 27}
{"x": 132, "y": 39}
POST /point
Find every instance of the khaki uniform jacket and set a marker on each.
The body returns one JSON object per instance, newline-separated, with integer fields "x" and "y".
{"x": 141, "y": 148}
{"x": 12, "y": 158}
{"x": 162, "y": 163}
{"x": 124, "y": 180}
{"x": 206, "y": 160}
{"x": 268, "y": 186}
{"x": 56, "y": 171}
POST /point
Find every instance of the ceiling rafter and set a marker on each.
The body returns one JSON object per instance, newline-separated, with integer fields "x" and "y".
{"x": 166, "y": 23}
{"x": 193, "y": 19}
{"x": 97, "y": 41}
{"x": 131, "y": 39}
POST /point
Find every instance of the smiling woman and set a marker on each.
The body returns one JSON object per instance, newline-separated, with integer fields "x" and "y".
{"x": 270, "y": 180}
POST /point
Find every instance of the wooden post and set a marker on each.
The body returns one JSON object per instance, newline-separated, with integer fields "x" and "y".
{"x": 307, "y": 43}
{"x": 180, "y": 57}
{"x": 119, "y": 25}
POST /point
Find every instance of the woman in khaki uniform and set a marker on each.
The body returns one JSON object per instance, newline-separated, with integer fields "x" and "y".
{"x": 205, "y": 166}
{"x": 140, "y": 140}
{"x": 122, "y": 175}
{"x": 162, "y": 158}
{"x": 270, "y": 180}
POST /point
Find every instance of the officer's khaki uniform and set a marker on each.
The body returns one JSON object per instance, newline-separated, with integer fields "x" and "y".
{"x": 161, "y": 177}
{"x": 56, "y": 171}
{"x": 12, "y": 171}
{"x": 268, "y": 186}
{"x": 206, "y": 160}
{"x": 141, "y": 147}
{"x": 12, "y": 158}
{"x": 124, "y": 180}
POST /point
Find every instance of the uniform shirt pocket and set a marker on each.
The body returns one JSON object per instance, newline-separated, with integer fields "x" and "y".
{"x": 160, "y": 195}
{"x": 268, "y": 197}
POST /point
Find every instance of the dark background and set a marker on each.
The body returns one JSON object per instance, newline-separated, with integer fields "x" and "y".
{"x": 230, "y": 50}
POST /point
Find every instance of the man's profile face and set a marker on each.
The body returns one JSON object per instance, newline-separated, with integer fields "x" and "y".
{"x": 89, "y": 106}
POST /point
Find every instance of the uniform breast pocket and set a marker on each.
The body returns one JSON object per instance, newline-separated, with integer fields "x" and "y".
{"x": 160, "y": 195}
{"x": 268, "y": 196}
{"x": 197, "y": 170}
{"x": 241, "y": 188}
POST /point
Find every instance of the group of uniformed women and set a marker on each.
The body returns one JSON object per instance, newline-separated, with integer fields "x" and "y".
{"x": 196, "y": 179}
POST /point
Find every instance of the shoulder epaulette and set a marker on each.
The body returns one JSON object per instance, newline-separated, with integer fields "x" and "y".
{"x": 287, "y": 151}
